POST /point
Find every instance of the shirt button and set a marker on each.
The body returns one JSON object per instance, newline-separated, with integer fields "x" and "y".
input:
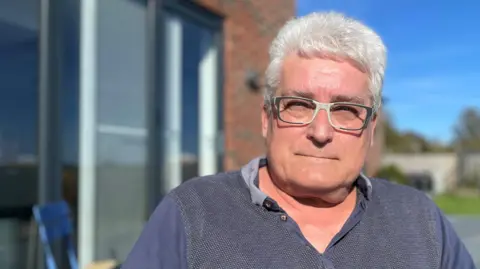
{"x": 283, "y": 217}
{"x": 268, "y": 204}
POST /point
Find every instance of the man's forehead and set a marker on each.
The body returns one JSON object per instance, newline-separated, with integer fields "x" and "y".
{"x": 312, "y": 73}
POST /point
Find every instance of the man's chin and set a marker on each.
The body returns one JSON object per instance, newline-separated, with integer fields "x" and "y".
{"x": 331, "y": 195}
{"x": 317, "y": 186}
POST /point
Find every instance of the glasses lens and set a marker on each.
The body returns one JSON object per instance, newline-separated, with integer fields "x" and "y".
{"x": 295, "y": 110}
{"x": 348, "y": 116}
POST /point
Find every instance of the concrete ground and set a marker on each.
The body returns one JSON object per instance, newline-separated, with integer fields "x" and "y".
{"x": 468, "y": 228}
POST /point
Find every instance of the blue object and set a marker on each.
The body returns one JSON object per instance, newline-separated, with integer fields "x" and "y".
{"x": 54, "y": 224}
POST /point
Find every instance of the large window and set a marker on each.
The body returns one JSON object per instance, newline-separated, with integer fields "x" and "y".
{"x": 113, "y": 128}
{"x": 99, "y": 56}
{"x": 192, "y": 94}
{"x": 133, "y": 118}
{"x": 121, "y": 126}
{"x": 19, "y": 35}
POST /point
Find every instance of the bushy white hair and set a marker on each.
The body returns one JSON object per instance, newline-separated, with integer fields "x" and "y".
{"x": 329, "y": 34}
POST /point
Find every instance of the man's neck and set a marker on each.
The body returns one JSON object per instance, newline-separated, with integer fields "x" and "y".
{"x": 315, "y": 210}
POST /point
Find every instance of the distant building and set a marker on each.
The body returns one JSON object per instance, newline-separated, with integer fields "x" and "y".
{"x": 469, "y": 167}
{"x": 441, "y": 168}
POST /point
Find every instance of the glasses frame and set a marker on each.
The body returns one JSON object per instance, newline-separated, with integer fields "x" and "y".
{"x": 322, "y": 106}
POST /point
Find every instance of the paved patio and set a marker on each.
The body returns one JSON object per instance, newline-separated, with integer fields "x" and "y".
{"x": 468, "y": 228}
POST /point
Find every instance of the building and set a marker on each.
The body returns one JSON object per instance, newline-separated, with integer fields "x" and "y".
{"x": 109, "y": 104}
{"x": 469, "y": 168}
{"x": 440, "y": 168}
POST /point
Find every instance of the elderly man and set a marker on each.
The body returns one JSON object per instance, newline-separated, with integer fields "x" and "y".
{"x": 306, "y": 204}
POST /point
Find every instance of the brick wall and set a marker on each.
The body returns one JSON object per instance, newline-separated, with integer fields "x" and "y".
{"x": 249, "y": 27}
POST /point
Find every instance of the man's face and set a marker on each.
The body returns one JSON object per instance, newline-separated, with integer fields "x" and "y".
{"x": 313, "y": 158}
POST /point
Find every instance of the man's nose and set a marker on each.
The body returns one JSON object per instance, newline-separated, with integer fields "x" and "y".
{"x": 320, "y": 130}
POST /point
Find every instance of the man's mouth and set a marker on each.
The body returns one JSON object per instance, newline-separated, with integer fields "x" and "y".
{"x": 319, "y": 157}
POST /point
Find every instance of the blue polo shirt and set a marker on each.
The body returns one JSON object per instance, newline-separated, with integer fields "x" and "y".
{"x": 169, "y": 241}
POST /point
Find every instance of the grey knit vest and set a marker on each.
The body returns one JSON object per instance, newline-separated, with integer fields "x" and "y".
{"x": 224, "y": 229}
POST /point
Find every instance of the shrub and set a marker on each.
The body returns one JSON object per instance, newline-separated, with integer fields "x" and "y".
{"x": 392, "y": 173}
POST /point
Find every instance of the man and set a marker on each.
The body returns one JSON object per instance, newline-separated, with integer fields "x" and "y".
{"x": 306, "y": 204}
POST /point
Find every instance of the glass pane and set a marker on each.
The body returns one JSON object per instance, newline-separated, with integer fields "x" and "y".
{"x": 191, "y": 56}
{"x": 191, "y": 101}
{"x": 18, "y": 126}
{"x": 122, "y": 127}
{"x": 69, "y": 118}
{"x": 172, "y": 104}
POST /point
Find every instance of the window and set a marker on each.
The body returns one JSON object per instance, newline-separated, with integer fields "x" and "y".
{"x": 121, "y": 127}
{"x": 192, "y": 91}
{"x": 132, "y": 117}
{"x": 114, "y": 129}
{"x": 19, "y": 46}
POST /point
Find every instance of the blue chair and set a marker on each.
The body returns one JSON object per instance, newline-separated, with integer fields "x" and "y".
{"x": 54, "y": 224}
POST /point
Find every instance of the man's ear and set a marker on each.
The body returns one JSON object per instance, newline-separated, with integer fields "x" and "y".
{"x": 373, "y": 127}
{"x": 265, "y": 119}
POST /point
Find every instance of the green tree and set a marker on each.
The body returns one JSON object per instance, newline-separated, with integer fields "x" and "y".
{"x": 409, "y": 142}
{"x": 467, "y": 130}
{"x": 392, "y": 173}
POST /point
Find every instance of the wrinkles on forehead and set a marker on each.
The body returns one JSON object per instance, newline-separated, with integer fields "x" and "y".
{"x": 325, "y": 81}
{"x": 324, "y": 78}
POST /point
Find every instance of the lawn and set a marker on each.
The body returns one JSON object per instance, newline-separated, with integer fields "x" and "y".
{"x": 458, "y": 205}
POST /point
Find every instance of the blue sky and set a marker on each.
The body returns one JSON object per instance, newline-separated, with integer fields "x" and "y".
{"x": 433, "y": 67}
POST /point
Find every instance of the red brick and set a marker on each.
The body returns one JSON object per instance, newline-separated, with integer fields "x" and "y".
{"x": 249, "y": 27}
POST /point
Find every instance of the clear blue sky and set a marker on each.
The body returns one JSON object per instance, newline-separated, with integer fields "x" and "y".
{"x": 433, "y": 69}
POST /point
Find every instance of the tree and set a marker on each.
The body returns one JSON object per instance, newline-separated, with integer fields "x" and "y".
{"x": 409, "y": 142}
{"x": 467, "y": 140}
{"x": 467, "y": 130}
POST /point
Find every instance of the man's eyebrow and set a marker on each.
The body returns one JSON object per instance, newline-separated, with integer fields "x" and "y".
{"x": 336, "y": 98}
{"x": 350, "y": 99}
{"x": 298, "y": 93}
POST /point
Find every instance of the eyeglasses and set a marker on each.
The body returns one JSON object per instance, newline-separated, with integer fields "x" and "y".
{"x": 341, "y": 115}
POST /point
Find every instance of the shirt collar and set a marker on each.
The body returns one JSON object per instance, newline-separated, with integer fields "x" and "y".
{"x": 250, "y": 175}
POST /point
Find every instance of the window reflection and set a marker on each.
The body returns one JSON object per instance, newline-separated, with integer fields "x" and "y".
{"x": 122, "y": 127}
{"x": 18, "y": 126}
{"x": 191, "y": 101}
{"x": 191, "y": 56}
{"x": 18, "y": 76}
{"x": 69, "y": 102}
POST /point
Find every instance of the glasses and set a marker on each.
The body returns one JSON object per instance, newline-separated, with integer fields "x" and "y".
{"x": 341, "y": 115}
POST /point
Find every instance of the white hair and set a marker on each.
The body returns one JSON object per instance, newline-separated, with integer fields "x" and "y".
{"x": 329, "y": 34}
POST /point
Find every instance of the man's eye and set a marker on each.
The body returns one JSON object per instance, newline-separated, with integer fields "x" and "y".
{"x": 346, "y": 109}
{"x": 297, "y": 104}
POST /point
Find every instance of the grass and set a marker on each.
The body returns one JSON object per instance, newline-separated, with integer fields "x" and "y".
{"x": 455, "y": 204}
